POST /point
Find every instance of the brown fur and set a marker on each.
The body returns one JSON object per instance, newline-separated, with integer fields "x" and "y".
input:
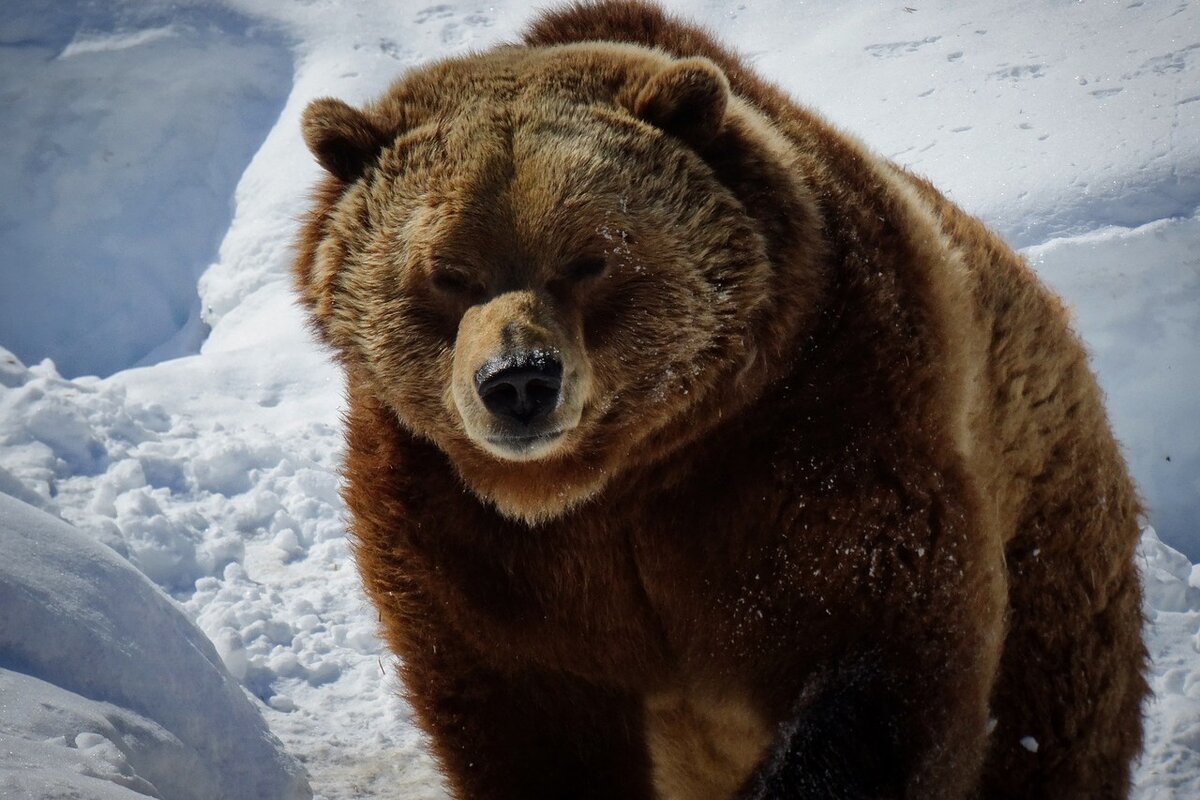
{"x": 702, "y": 747}
{"x": 829, "y": 494}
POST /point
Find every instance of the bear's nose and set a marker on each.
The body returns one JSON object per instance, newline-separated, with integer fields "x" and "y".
{"x": 523, "y": 389}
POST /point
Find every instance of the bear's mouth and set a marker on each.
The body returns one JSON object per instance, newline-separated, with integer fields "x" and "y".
{"x": 523, "y": 446}
{"x": 524, "y": 440}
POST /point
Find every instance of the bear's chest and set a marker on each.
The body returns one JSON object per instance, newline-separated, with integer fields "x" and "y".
{"x": 556, "y": 597}
{"x": 632, "y": 601}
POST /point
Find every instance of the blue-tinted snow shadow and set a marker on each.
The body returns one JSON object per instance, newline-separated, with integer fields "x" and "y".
{"x": 126, "y": 129}
{"x": 1134, "y": 296}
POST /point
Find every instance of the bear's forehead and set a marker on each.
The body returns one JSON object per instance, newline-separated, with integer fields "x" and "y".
{"x": 543, "y": 117}
{"x": 523, "y": 145}
{"x": 517, "y": 192}
{"x": 569, "y": 148}
{"x": 519, "y": 83}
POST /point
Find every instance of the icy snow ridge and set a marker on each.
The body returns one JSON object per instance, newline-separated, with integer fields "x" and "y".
{"x": 100, "y": 673}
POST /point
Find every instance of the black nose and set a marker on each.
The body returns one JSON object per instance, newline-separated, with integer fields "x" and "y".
{"x": 524, "y": 388}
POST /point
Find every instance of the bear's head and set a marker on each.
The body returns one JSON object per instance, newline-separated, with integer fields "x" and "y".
{"x": 557, "y": 263}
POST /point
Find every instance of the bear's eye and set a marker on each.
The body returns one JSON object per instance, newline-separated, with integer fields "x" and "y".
{"x": 454, "y": 281}
{"x": 586, "y": 268}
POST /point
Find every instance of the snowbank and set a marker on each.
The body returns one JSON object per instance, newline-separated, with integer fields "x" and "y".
{"x": 101, "y": 672}
{"x": 126, "y": 127}
{"x": 230, "y": 501}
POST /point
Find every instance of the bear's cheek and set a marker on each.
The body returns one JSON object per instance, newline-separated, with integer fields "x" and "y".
{"x": 417, "y": 389}
{"x": 648, "y": 362}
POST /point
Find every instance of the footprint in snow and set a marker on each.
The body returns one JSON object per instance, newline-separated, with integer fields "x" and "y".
{"x": 1018, "y": 73}
{"x": 896, "y": 49}
{"x": 434, "y": 12}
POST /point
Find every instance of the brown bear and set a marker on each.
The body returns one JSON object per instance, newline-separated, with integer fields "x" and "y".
{"x": 696, "y": 452}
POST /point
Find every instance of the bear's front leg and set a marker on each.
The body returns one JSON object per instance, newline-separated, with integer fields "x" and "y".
{"x": 905, "y": 715}
{"x": 518, "y": 734}
{"x": 861, "y": 732}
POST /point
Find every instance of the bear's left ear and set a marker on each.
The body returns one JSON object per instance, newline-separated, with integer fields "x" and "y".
{"x": 687, "y": 100}
{"x": 344, "y": 140}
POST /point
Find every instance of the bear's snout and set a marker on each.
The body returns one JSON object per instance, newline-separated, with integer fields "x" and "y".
{"x": 521, "y": 376}
{"x": 522, "y": 389}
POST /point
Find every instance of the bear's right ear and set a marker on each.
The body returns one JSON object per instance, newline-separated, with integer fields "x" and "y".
{"x": 342, "y": 138}
{"x": 688, "y": 100}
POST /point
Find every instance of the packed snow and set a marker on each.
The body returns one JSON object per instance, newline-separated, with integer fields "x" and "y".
{"x": 155, "y": 175}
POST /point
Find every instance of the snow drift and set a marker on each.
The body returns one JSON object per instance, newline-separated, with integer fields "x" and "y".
{"x": 102, "y": 674}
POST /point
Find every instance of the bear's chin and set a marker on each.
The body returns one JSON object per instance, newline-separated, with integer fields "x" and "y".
{"x": 535, "y": 505}
{"x": 527, "y": 487}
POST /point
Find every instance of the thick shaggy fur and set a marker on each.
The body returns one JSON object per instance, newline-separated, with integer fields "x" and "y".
{"x": 828, "y": 506}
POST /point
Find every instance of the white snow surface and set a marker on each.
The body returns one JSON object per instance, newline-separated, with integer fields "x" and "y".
{"x": 101, "y": 674}
{"x": 155, "y": 175}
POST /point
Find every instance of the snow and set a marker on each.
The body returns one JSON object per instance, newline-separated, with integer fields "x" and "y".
{"x": 101, "y": 677}
{"x": 156, "y": 177}
{"x": 127, "y": 126}
{"x": 1137, "y": 304}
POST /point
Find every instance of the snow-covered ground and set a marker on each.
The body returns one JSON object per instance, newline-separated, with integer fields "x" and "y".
{"x": 129, "y": 717}
{"x": 152, "y": 147}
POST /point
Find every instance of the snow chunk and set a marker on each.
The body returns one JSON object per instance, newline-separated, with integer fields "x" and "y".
{"x": 1166, "y": 576}
{"x": 12, "y": 371}
{"x": 1170, "y": 764}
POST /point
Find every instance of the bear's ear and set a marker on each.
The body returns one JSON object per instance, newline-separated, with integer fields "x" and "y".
{"x": 342, "y": 138}
{"x": 687, "y": 100}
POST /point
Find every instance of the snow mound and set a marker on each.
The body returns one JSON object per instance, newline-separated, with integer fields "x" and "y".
{"x": 230, "y": 502}
{"x": 1046, "y": 119}
{"x": 100, "y": 671}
